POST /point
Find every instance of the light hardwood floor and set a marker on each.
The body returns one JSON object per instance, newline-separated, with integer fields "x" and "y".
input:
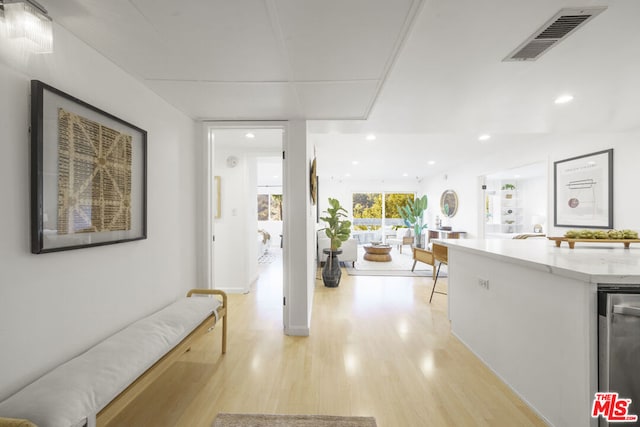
{"x": 377, "y": 348}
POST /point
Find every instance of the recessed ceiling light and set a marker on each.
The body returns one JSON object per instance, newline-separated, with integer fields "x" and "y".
{"x": 405, "y": 174}
{"x": 371, "y": 137}
{"x": 516, "y": 176}
{"x": 563, "y": 99}
{"x": 484, "y": 137}
{"x": 347, "y": 175}
{"x": 355, "y": 162}
{"x": 275, "y": 176}
{"x": 431, "y": 162}
{"x": 250, "y": 135}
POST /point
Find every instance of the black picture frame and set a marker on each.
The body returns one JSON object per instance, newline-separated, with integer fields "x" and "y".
{"x": 583, "y": 191}
{"x": 103, "y": 207}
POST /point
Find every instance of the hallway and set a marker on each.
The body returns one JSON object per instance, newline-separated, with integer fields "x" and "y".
{"x": 377, "y": 348}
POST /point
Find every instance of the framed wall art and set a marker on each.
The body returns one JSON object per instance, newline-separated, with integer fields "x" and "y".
{"x": 583, "y": 191}
{"x": 88, "y": 174}
{"x": 217, "y": 204}
{"x": 313, "y": 182}
{"x": 449, "y": 203}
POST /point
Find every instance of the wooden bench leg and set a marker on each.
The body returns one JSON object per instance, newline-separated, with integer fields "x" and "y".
{"x": 414, "y": 265}
{"x": 224, "y": 333}
{"x": 223, "y": 312}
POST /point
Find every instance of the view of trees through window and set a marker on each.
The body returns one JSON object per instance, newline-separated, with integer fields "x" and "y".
{"x": 269, "y": 207}
{"x": 263, "y": 207}
{"x": 370, "y": 209}
{"x": 275, "y": 209}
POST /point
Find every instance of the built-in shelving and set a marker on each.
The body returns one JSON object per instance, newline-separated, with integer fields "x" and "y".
{"x": 510, "y": 211}
{"x": 503, "y": 209}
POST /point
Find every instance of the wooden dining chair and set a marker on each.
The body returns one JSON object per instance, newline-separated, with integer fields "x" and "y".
{"x": 440, "y": 256}
{"x": 426, "y": 256}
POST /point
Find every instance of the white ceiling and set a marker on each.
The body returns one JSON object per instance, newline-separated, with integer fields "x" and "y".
{"x": 425, "y": 76}
{"x": 249, "y": 59}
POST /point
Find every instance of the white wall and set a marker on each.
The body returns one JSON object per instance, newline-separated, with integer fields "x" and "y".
{"x": 533, "y": 192}
{"x": 53, "y": 306}
{"x": 299, "y": 231}
{"x": 235, "y": 250}
{"x": 549, "y": 148}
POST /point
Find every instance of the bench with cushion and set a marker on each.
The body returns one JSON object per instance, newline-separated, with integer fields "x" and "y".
{"x": 93, "y": 387}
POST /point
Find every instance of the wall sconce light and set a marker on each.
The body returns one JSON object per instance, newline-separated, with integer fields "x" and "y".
{"x": 29, "y": 22}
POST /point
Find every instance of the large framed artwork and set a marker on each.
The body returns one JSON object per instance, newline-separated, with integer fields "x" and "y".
{"x": 88, "y": 174}
{"x": 583, "y": 193}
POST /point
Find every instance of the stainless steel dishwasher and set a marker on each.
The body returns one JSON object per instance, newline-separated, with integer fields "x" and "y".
{"x": 619, "y": 345}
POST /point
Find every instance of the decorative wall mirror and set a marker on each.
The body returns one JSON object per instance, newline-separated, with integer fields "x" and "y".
{"x": 449, "y": 203}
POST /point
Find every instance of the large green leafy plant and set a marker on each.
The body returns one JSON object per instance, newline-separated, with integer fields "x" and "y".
{"x": 338, "y": 228}
{"x": 412, "y": 215}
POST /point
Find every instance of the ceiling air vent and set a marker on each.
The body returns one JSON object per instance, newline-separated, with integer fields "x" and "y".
{"x": 553, "y": 32}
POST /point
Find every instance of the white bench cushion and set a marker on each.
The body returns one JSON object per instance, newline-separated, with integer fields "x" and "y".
{"x": 74, "y": 392}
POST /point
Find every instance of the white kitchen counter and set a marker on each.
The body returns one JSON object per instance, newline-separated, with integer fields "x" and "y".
{"x": 528, "y": 310}
{"x": 593, "y": 263}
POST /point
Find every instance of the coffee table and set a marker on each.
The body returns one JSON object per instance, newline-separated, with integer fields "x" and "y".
{"x": 377, "y": 253}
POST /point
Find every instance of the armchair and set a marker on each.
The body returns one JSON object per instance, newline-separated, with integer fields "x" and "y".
{"x": 403, "y": 237}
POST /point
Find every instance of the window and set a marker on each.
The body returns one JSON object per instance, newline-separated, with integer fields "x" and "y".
{"x": 367, "y": 211}
{"x": 275, "y": 209}
{"x": 392, "y": 203}
{"x": 371, "y": 211}
{"x": 263, "y": 207}
{"x": 269, "y": 207}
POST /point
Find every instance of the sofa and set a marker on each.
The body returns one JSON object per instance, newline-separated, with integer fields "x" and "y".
{"x": 349, "y": 249}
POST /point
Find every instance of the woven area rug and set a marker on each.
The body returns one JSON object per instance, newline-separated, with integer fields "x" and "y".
{"x": 392, "y": 273}
{"x": 266, "y": 259}
{"x": 263, "y": 420}
{"x": 399, "y": 266}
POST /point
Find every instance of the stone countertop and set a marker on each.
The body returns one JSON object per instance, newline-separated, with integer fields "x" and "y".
{"x": 593, "y": 263}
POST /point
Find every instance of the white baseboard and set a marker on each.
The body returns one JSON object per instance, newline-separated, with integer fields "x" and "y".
{"x": 297, "y": 331}
{"x": 230, "y": 290}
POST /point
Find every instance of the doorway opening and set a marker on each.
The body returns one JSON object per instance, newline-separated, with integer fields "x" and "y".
{"x": 515, "y": 201}
{"x": 239, "y": 156}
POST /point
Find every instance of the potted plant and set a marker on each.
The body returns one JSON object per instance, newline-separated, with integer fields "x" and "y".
{"x": 412, "y": 215}
{"x": 509, "y": 188}
{"x": 338, "y": 230}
